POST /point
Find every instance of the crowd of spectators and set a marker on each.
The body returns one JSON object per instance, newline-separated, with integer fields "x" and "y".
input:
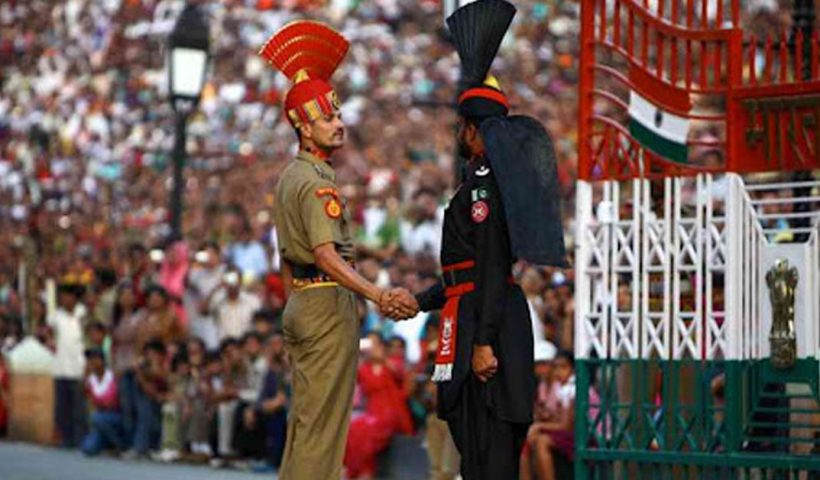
{"x": 176, "y": 344}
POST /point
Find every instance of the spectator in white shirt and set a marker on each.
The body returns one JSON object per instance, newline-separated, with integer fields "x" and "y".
{"x": 233, "y": 308}
{"x": 204, "y": 277}
{"x": 69, "y": 365}
{"x": 423, "y": 235}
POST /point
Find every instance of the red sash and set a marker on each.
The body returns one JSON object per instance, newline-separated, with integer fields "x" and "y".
{"x": 448, "y": 325}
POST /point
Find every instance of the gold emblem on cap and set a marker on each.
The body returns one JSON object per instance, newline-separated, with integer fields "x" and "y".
{"x": 491, "y": 81}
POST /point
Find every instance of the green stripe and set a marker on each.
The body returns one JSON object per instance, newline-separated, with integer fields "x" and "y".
{"x": 657, "y": 144}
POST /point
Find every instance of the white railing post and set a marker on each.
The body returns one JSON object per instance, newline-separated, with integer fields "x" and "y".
{"x": 583, "y": 303}
{"x": 733, "y": 268}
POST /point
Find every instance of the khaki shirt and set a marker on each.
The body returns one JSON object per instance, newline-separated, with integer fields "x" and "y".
{"x": 309, "y": 211}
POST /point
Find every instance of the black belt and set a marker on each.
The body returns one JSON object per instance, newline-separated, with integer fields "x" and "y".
{"x": 310, "y": 271}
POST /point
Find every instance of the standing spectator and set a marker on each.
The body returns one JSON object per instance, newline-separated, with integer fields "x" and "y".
{"x": 227, "y": 394}
{"x": 69, "y": 365}
{"x": 233, "y": 307}
{"x": 175, "y": 410}
{"x": 197, "y": 424}
{"x": 248, "y": 255}
{"x": 256, "y": 366}
{"x": 423, "y": 233}
{"x": 160, "y": 322}
{"x": 124, "y": 353}
{"x": 262, "y": 424}
{"x": 106, "y": 298}
{"x": 204, "y": 277}
{"x": 138, "y": 271}
{"x": 152, "y": 379}
{"x": 172, "y": 275}
{"x": 106, "y": 421}
{"x": 215, "y": 383}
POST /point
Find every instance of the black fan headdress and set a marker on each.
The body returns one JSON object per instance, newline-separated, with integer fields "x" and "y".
{"x": 477, "y": 30}
{"x": 519, "y": 150}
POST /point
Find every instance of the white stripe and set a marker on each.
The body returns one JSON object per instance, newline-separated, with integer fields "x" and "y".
{"x": 673, "y": 127}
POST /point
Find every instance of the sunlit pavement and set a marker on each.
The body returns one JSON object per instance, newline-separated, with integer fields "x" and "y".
{"x": 28, "y": 462}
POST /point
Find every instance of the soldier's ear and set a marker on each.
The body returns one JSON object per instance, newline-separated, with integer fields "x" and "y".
{"x": 306, "y": 131}
{"x": 471, "y": 131}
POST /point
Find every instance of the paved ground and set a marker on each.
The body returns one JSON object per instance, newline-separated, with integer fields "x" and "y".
{"x": 27, "y": 462}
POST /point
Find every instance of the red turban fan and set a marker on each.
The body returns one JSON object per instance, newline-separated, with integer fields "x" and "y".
{"x": 307, "y": 53}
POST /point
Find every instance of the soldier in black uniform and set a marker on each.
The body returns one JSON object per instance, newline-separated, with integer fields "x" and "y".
{"x": 505, "y": 210}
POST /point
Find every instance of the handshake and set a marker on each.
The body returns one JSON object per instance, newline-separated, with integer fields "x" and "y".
{"x": 398, "y": 304}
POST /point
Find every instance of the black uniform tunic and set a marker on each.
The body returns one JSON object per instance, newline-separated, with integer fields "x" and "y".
{"x": 495, "y": 314}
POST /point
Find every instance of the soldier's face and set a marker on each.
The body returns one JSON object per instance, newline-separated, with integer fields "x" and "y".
{"x": 467, "y": 139}
{"x": 327, "y": 133}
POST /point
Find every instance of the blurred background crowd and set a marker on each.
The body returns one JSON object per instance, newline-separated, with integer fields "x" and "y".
{"x": 176, "y": 344}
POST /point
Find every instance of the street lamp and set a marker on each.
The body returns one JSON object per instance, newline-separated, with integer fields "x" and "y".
{"x": 187, "y": 66}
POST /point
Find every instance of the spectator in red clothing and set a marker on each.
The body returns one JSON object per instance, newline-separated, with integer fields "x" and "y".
{"x": 385, "y": 413}
{"x": 106, "y": 421}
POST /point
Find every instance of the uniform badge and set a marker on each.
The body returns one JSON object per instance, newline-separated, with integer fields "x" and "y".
{"x": 327, "y": 191}
{"x": 483, "y": 171}
{"x": 479, "y": 194}
{"x": 480, "y": 211}
{"x": 333, "y": 208}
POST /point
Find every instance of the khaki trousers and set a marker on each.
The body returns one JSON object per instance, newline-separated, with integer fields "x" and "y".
{"x": 322, "y": 337}
{"x": 441, "y": 450}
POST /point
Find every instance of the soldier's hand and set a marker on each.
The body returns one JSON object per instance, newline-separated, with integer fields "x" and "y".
{"x": 484, "y": 362}
{"x": 405, "y": 303}
{"x": 386, "y": 306}
{"x": 398, "y": 304}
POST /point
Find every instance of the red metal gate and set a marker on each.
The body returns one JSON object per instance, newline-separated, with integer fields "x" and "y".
{"x": 691, "y": 59}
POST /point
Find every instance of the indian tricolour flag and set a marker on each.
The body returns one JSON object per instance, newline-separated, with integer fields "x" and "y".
{"x": 658, "y": 116}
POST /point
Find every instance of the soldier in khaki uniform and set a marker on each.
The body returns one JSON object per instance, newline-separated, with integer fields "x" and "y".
{"x": 313, "y": 227}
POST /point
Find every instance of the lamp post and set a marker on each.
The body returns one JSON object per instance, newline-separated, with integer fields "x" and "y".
{"x": 187, "y": 66}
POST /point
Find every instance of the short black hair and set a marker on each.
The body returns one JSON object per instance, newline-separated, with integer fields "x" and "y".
{"x": 199, "y": 341}
{"x": 251, "y": 336}
{"x": 107, "y": 277}
{"x": 210, "y": 244}
{"x": 73, "y": 289}
{"x": 179, "y": 358}
{"x": 264, "y": 315}
{"x": 97, "y": 326}
{"x": 154, "y": 345}
{"x": 227, "y": 343}
{"x": 155, "y": 288}
{"x": 94, "y": 353}
{"x": 212, "y": 356}
{"x": 566, "y": 355}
